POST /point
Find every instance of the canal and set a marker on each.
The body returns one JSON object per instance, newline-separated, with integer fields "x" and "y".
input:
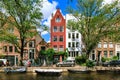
{"x": 64, "y": 76}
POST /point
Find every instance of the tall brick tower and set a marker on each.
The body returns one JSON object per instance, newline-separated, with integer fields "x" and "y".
{"x": 58, "y": 31}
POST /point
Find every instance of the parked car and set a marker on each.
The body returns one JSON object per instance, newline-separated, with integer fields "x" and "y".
{"x": 112, "y": 63}
{"x": 66, "y": 63}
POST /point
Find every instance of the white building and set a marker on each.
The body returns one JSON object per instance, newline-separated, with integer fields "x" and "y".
{"x": 73, "y": 40}
{"x": 117, "y": 50}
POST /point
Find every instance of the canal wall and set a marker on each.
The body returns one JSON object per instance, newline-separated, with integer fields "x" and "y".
{"x": 64, "y": 69}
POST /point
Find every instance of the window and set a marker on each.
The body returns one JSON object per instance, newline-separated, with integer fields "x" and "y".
{"x": 10, "y": 48}
{"x": 77, "y": 44}
{"x": 99, "y": 45}
{"x": 69, "y": 44}
{"x": 25, "y": 51}
{"x": 61, "y": 28}
{"x": 69, "y": 35}
{"x": 118, "y": 45}
{"x": 31, "y": 54}
{"x": 32, "y": 44}
{"x": 105, "y": 53}
{"x": 76, "y": 53}
{"x": 61, "y": 48}
{"x": 55, "y": 38}
{"x": 42, "y": 47}
{"x": 73, "y": 44}
{"x": 15, "y": 49}
{"x": 77, "y": 35}
{"x": 55, "y": 47}
{"x": 58, "y": 19}
{"x": 111, "y": 53}
{"x": 105, "y": 45}
{"x": 73, "y": 36}
{"x": 111, "y": 45}
{"x": 55, "y": 29}
{"x": 5, "y": 48}
{"x": 61, "y": 38}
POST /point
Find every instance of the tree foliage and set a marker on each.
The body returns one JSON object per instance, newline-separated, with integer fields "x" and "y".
{"x": 47, "y": 53}
{"x": 25, "y": 16}
{"x": 81, "y": 59}
{"x": 50, "y": 53}
{"x": 95, "y": 21}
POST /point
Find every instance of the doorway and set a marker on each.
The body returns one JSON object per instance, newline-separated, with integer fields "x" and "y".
{"x": 93, "y": 56}
{"x": 118, "y": 55}
{"x": 99, "y": 56}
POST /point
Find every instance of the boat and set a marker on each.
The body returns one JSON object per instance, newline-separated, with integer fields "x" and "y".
{"x": 15, "y": 69}
{"x": 79, "y": 71}
{"x": 49, "y": 72}
{"x": 102, "y": 71}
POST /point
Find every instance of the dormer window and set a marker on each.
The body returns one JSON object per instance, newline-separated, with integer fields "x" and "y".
{"x": 58, "y": 19}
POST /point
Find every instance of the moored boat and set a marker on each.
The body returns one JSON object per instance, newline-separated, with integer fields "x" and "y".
{"x": 79, "y": 71}
{"x": 49, "y": 72}
{"x": 15, "y": 69}
{"x": 102, "y": 71}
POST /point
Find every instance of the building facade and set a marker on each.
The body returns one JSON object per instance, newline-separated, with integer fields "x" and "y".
{"x": 58, "y": 31}
{"x": 73, "y": 40}
{"x": 104, "y": 49}
{"x": 58, "y": 34}
{"x": 117, "y": 50}
{"x": 10, "y": 51}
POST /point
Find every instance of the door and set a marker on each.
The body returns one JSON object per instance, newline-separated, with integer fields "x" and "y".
{"x": 99, "y": 56}
{"x": 118, "y": 55}
{"x": 93, "y": 56}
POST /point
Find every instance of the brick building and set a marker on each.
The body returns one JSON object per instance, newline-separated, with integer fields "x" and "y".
{"x": 58, "y": 32}
{"x": 9, "y": 51}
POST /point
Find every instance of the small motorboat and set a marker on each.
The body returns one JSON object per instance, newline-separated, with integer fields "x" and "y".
{"x": 15, "y": 69}
{"x": 49, "y": 72}
{"x": 79, "y": 71}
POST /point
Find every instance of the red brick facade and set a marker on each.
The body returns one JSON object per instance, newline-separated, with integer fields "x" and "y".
{"x": 58, "y": 32}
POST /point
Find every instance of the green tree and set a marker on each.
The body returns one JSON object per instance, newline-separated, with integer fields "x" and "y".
{"x": 95, "y": 21}
{"x": 50, "y": 53}
{"x": 25, "y": 16}
{"x": 46, "y": 55}
{"x": 81, "y": 59}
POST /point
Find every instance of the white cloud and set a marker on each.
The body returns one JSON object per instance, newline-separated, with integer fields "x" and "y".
{"x": 48, "y": 8}
{"x": 47, "y": 21}
{"x": 109, "y": 1}
{"x": 44, "y": 32}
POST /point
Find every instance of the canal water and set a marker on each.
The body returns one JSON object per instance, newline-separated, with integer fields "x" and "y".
{"x": 64, "y": 76}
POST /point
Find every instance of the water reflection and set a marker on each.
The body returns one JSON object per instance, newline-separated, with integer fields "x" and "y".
{"x": 48, "y": 78}
{"x": 64, "y": 76}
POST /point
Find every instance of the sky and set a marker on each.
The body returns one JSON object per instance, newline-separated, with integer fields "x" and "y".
{"x": 49, "y": 7}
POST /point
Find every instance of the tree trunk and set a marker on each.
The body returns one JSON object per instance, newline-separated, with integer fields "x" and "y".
{"x": 21, "y": 53}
